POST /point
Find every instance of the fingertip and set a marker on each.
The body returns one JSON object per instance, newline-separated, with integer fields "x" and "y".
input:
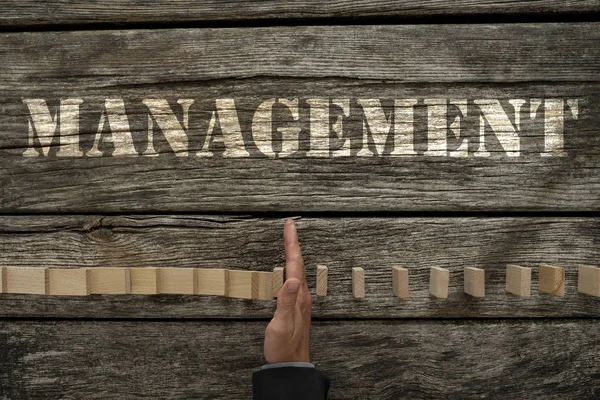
{"x": 290, "y": 222}
{"x": 289, "y": 232}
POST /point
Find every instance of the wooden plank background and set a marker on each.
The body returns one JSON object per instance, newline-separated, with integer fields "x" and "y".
{"x": 34, "y": 13}
{"x": 501, "y": 61}
{"x": 376, "y": 244}
{"x": 522, "y": 359}
{"x": 374, "y": 212}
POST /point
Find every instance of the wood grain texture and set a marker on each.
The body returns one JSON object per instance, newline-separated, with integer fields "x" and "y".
{"x": 256, "y": 244}
{"x": 321, "y": 280}
{"x": 36, "y": 13}
{"x": 439, "y": 279}
{"x": 69, "y": 282}
{"x": 474, "y": 281}
{"x": 518, "y": 280}
{"x": 110, "y": 280}
{"x": 265, "y": 285}
{"x": 365, "y": 359}
{"x": 178, "y": 280}
{"x": 2, "y": 279}
{"x": 107, "y": 59}
{"x": 400, "y": 283}
{"x": 242, "y": 284}
{"x": 588, "y": 280}
{"x": 503, "y": 61}
{"x": 144, "y": 280}
{"x": 212, "y": 281}
{"x": 358, "y": 283}
{"x": 278, "y": 279}
{"x": 555, "y": 52}
{"x": 551, "y": 280}
{"x": 27, "y": 280}
{"x": 419, "y": 183}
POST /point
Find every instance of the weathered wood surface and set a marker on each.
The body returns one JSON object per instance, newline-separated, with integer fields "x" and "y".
{"x": 34, "y": 13}
{"x": 555, "y": 52}
{"x": 376, "y": 244}
{"x": 166, "y": 183}
{"x": 492, "y": 61}
{"x": 365, "y": 359}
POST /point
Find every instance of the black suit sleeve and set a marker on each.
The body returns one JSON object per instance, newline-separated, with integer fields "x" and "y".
{"x": 289, "y": 383}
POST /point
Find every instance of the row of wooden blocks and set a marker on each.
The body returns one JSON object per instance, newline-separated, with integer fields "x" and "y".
{"x": 518, "y": 281}
{"x": 265, "y": 285}
{"x": 86, "y": 281}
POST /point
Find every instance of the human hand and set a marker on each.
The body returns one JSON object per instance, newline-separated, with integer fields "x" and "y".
{"x": 287, "y": 335}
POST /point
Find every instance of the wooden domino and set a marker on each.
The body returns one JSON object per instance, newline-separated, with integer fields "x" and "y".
{"x": 265, "y": 286}
{"x": 27, "y": 280}
{"x": 438, "y": 282}
{"x": 2, "y": 279}
{"x": 242, "y": 284}
{"x": 212, "y": 281}
{"x": 322, "y": 272}
{"x": 518, "y": 280}
{"x": 178, "y": 280}
{"x": 400, "y": 282}
{"x": 69, "y": 282}
{"x": 588, "y": 281}
{"x": 109, "y": 280}
{"x": 277, "y": 279}
{"x": 552, "y": 280}
{"x": 474, "y": 282}
{"x": 144, "y": 280}
{"x": 358, "y": 282}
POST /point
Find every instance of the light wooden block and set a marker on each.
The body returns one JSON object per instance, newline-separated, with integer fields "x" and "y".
{"x": 69, "y": 282}
{"x": 400, "y": 282}
{"x": 322, "y": 273}
{"x": 27, "y": 280}
{"x": 588, "y": 281}
{"x": 144, "y": 280}
{"x": 212, "y": 281}
{"x": 474, "y": 282}
{"x": 438, "y": 282}
{"x": 358, "y": 282}
{"x": 552, "y": 280}
{"x": 278, "y": 279}
{"x": 242, "y": 284}
{"x": 518, "y": 280}
{"x": 265, "y": 286}
{"x": 2, "y": 279}
{"x": 108, "y": 280}
{"x": 178, "y": 281}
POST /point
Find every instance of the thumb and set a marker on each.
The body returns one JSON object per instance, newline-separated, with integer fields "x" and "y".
{"x": 286, "y": 302}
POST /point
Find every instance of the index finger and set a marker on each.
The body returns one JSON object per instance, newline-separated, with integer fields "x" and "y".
{"x": 294, "y": 264}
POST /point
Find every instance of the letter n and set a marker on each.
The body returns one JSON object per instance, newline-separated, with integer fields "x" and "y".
{"x": 493, "y": 113}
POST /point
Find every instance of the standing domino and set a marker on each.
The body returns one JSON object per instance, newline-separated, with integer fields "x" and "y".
{"x": 589, "y": 280}
{"x": 278, "y": 279}
{"x": 322, "y": 280}
{"x": 438, "y": 282}
{"x": 358, "y": 282}
{"x": 27, "y": 280}
{"x": 474, "y": 282}
{"x": 552, "y": 280}
{"x": 400, "y": 282}
{"x": 518, "y": 280}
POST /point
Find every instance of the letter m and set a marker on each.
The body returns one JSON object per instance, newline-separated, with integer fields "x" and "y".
{"x": 43, "y": 126}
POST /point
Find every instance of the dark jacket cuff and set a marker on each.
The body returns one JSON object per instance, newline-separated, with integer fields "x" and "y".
{"x": 289, "y": 383}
